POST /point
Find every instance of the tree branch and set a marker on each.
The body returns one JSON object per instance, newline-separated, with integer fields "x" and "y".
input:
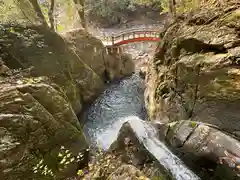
{"x": 39, "y": 12}
{"x": 81, "y": 11}
{"x": 50, "y": 15}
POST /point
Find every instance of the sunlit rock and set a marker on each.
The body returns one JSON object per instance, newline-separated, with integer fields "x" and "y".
{"x": 76, "y": 61}
{"x": 36, "y": 119}
{"x": 199, "y": 142}
{"x": 195, "y": 72}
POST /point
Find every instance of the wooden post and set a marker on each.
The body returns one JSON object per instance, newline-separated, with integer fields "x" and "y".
{"x": 123, "y": 37}
{"x": 112, "y": 40}
{"x": 107, "y": 50}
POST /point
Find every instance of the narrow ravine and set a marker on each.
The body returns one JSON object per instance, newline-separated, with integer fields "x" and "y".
{"x": 124, "y": 102}
{"x": 106, "y": 115}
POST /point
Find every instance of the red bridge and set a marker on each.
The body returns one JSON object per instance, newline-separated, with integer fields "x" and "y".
{"x": 130, "y": 36}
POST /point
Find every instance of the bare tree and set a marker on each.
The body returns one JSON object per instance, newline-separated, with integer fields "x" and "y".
{"x": 39, "y": 12}
{"x": 81, "y": 11}
{"x": 26, "y": 8}
{"x": 172, "y": 7}
{"x": 31, "y": 10}
{"x": 51, "y": 15}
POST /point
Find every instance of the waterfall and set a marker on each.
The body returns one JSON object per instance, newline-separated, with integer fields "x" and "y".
{"x": 124, "y": 102}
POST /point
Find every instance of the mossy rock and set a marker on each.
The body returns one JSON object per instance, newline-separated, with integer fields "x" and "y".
{"x": 199, "y": 63}
{"x": 36, "y": 120}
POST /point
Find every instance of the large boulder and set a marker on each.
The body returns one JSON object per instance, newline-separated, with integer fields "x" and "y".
{"x": 140, "y": 146}
{"x": 76, "y": 61}
{"x": 92, "y": 52}
{"x": 195, "y": 72}
{"x": 36, "y": 120}
{"x": 204, "y": 147}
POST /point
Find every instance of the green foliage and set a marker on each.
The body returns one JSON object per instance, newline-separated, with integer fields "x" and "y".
{"x": 164, "y": 6}
{"x": 43, "y": 169}
{"x": 112, "y": 12}
{"x": 103, "y": 162}
{"x": 187, "y": 5}
{"x": 109, "y": 10}
{"x": 9, "y": 12}
{"x": 151, "y": 3}
{"x": 45, "y": 5}
{"x": 65, "y": 15}
{"x": 192, "y": 124}
{"x": 22, "y": 12}
{"x": 65, "y": 158}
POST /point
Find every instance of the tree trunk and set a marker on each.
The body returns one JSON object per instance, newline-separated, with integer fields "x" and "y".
{"x": 39, "y": 12}
{"x": 81, "y": 11}
{"x": 27, "y": 10}
{"x": 172, "y": 7}
{"x": 51, "y": 16}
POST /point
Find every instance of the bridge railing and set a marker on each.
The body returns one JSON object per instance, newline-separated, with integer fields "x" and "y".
{"x": 130, "y": 34}
{"x": 137, "y": 30}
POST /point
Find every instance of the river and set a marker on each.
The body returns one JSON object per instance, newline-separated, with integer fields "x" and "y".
{"x": 111, "y": 109}
{"x": 124, "y": 102}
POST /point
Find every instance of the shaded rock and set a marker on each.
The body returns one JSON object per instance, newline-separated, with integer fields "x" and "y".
{"x": 216, "y": 152}
{"x": 91, "y": 50}
{"x": 4, "y": 70}
{"x": 77, "y": 62}
{"x": 126, "y": 65}
{"x": 195, "y": 72}
{"x": 36, "y": 119}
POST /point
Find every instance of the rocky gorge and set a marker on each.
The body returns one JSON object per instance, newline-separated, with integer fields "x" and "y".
{"x": 69, "y": 110}
{"x": 194, "y": 76}
{"x": 41, "y": 98}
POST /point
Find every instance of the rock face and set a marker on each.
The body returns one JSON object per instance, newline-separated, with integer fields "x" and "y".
{"x": 195, "y": 72}
{"x": 195, "y": 75}
{"x": 39, "y": 103}
{"x": 36, "y": 119}
{"x": 77, "y": 62}
{"x": 91, "y": 51}
{"x": 217, "y": 153}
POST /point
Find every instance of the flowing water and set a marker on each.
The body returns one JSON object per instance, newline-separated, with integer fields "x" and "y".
{"x": 108, "y": 112}
{"x": 124, "y": 102}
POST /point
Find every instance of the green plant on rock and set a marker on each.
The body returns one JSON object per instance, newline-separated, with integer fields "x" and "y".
{"x": 43, "y": 169}
{"x": 65, "y": 157}
{"x": 193, "y": 124}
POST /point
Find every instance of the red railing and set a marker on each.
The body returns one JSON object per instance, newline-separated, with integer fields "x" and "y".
{"x": 133, "y": 35}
